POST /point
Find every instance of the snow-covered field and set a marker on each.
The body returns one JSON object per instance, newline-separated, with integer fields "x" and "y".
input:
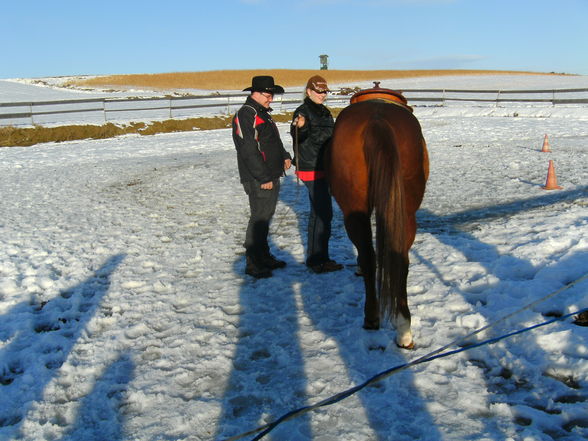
{"x": 125, "y": 314}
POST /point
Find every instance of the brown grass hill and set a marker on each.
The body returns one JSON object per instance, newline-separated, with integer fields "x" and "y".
{"x": 239, "y": 79}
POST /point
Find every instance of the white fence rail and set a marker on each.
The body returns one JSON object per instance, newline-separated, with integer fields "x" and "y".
{"x": 126, "y": 109}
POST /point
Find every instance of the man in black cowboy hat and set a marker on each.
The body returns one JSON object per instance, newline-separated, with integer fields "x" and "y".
{"x": 262, "y": 159}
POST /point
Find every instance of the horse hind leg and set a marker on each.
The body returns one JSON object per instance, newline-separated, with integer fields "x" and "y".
{"x": 359, "y": 230}
{"x": 401, "y": 315}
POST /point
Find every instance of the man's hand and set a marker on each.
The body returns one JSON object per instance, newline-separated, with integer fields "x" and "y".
{"x": 267, "y": 186}
{"x": 287, "y": 164}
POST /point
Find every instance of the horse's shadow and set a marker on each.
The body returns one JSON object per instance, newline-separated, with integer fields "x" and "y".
{"x": 40, "y": 337}
{"x": 267, "y": 378}
{"x": 334, "y": 303}
{"x": 510, "y": 273}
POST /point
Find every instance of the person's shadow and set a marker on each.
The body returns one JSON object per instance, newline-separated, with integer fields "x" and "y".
{"x": 99, "y": 415}
{"x": 512, "y": 280}
{"x": 40, "y": 337}
{"x": 334, "y": 303}
{"x": 267, "y": 378}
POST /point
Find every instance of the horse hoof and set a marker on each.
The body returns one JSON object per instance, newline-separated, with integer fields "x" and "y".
{"x": 371, "y": 325}
{"x": 409, "y": 346}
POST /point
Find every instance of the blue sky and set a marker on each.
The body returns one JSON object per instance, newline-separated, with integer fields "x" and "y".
{"x": 42, "y": 38}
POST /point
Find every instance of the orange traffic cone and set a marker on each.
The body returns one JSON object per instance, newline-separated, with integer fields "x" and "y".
{"x": 546, "y": 148}
{"x": 551, "y": 182}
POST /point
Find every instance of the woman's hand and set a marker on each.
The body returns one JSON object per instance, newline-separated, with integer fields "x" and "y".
{"x": 299, "y": 121}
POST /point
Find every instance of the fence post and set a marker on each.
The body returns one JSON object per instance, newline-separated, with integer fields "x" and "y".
{"x": 32, "y": 116}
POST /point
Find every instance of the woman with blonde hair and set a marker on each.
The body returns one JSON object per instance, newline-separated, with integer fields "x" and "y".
{"x": 311, "y": 130}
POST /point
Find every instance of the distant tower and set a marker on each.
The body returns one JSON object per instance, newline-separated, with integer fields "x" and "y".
{"x": 324, "y": 62}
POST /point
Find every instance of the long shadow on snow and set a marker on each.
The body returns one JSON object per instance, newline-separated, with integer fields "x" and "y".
{"x": 515, "y": 388}
{"x": 43, "y": 335}
{"x": 267, "y": 378}
{"x": 99, "y": 416}
{"x": 334, "y": 303}
{"x": 431, "y": 223}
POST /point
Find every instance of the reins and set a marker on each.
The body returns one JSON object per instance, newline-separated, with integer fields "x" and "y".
{"x": 296, "y": 152}
{"x": 283, "y": 215}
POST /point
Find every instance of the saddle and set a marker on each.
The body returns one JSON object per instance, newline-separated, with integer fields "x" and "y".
{"x": 380, "y": 94}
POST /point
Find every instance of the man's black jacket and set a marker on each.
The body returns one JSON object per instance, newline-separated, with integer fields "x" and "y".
{"x": 260, "y": 151}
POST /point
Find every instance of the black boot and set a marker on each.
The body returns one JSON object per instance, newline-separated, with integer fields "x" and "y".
{"x": 271, "y": 262}
{"x": 326, "y": 267}
{"x": 256, "y": 269}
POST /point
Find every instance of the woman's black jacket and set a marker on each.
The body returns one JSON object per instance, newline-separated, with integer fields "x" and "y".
{"x": 311, "y": 139}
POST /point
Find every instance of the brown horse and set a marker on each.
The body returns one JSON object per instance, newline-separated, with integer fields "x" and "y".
{"x": 378, "y": 162}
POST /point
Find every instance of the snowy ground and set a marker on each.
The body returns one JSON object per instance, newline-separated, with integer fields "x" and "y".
{"x": 125, "y": 314}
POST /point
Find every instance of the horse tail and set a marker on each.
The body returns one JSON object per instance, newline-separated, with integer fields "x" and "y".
{"x": 387, "y": 200}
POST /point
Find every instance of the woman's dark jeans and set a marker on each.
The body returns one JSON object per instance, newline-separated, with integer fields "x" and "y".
{"x": 319, "y": 221}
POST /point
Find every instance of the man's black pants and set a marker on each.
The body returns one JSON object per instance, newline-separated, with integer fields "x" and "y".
{"x": 262, "y": 204}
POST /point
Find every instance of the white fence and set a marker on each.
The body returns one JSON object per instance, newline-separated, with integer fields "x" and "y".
{"x": 98, "y": 110}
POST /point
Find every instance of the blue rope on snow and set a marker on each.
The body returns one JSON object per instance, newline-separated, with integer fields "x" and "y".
{"x": 382, "y": 375}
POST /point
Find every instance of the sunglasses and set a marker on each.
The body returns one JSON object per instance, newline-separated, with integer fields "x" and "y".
{"x": 324, "y": 92}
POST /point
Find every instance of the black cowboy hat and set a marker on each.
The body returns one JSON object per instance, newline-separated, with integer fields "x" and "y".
{"x": 264, "y": 83}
